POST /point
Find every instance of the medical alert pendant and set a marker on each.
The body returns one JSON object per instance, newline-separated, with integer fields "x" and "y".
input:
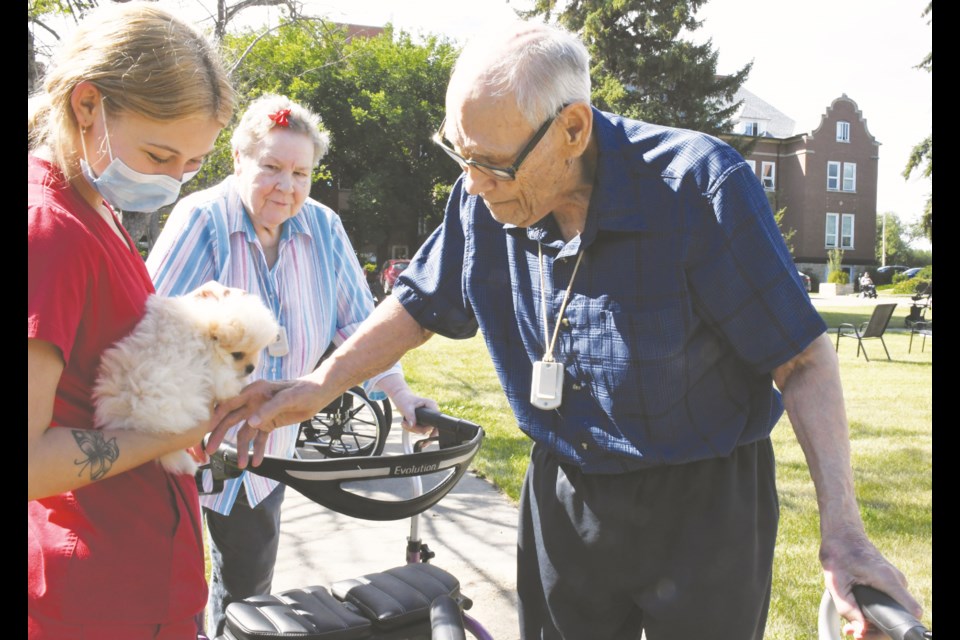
{"x": 279, "y": 347}
{"x": 546, "y": 392}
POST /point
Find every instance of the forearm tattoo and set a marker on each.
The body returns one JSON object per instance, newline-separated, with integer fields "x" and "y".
{"x": 101, "y": 453}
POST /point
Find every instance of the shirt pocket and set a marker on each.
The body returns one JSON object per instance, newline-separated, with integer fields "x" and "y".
{"x": 640, "y": 366}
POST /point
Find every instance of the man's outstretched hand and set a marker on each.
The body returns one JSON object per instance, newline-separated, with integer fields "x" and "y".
{"x": 259, "y": 409}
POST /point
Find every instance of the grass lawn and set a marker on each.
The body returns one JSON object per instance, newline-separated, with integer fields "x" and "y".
{"x": 889, "y": 407}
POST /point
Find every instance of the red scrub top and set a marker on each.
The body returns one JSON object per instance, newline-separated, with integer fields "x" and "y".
{"x": 128, "y": 548}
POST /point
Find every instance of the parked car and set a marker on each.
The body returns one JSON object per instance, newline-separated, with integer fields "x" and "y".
{"x": 884, "y": 275}
{"x": 806, "y": 281}
{"x": 909, "y": 273}
{"x": 389, "y": 272}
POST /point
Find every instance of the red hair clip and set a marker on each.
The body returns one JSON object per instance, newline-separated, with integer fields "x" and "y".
{"x": 280, "y": 117}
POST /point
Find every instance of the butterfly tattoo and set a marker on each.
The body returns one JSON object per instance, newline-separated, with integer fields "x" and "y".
{"x": 101, "y": 453}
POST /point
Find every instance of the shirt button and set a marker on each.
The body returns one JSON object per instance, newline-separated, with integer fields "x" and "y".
{"x": 565, "y": 323}
{"x": 576, "y": 386}
{"x": 583, "y": 445}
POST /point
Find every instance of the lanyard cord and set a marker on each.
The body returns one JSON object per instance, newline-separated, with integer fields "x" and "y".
{"x": 548, "y": 356}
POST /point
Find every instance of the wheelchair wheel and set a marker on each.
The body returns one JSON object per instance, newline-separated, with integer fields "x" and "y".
{"x": 352, "y": 425}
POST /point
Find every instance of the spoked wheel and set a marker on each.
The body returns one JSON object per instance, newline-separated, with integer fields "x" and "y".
{"x": 352, "y": 425}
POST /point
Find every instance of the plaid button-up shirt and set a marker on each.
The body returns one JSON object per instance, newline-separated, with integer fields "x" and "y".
{"x": 685, "y": 301}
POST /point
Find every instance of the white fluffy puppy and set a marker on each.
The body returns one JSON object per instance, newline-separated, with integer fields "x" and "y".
{"x": 185, "y": 354}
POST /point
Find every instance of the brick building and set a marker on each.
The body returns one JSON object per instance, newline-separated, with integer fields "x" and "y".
{"x": 826, "y": 179}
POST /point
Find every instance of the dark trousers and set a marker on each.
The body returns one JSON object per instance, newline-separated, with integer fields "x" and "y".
{"x": 678, "y": 552}
{"x": 243, "y": 551}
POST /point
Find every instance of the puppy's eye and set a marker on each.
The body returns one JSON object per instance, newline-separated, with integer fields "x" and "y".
{"x": 237, "y": 355}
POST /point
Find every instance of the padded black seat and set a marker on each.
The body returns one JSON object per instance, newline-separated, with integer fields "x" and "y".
{"x": 398, "y": 596}
{"x": 307, "y": 614}
{"x": 386, "y": 600}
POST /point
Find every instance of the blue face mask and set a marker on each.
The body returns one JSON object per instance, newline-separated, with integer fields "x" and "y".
{"x": 130, "y": 190}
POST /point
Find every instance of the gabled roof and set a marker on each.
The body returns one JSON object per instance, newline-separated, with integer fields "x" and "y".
{"x": 776, "y": 123}
{"x": 826, "y": 116}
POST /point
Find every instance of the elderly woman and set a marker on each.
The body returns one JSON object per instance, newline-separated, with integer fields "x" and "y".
{"x": 259, "y": 230}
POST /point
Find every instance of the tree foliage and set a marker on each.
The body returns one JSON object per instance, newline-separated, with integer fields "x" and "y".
{"x": 226, "y": 12}
{"x": 787, "y": 233}
{"x": 893, "y": 239}
{"x": 921, "y": 156}
{"x": 42, "y": 15}
{"x": 642, "y": 66}
{"x": 899, "y": 238}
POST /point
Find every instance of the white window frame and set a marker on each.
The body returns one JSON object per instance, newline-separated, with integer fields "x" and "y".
{"x": 846, "y": 231}
{"x": 751, "y": 128}
{"x": 830, "y": 233}
{"x": 850, "y": 176}
{"x": 839, "y": 232}
{"x": 768, "y": 175}
{"x": 833, "y": 176}
{"x": 843, "y": 131}
{"x": 753, "y": 166}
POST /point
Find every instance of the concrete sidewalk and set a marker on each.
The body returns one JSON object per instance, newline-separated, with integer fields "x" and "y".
{"x": 472, "y": 531}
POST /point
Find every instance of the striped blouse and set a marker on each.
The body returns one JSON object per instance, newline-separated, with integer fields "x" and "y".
{"x": 316, "y": 289}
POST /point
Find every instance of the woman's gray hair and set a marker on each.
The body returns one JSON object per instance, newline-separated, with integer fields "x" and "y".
{"x": 256, "y": 123}
{"x": 544, "y": 66}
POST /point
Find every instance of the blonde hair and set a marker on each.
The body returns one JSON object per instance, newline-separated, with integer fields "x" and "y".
{"x": 143, "y": 60}
{"x": 256, "y": 124}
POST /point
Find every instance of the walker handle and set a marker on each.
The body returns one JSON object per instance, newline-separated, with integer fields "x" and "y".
{"x": 888, "y": 615}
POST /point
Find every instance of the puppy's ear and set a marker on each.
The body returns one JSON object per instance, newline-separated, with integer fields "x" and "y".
{"x": 227, "y": 334}
{"x": 212, "y": 290}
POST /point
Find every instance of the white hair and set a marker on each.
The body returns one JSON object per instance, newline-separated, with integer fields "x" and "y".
{"x": 543, "y": 66}
{"x": 256, "y": 124}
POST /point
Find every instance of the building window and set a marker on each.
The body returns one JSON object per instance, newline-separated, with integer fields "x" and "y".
{"x": 833, "y": 176}
{"x": 830, "y": 240}
{"x": 849, "y": 176}
{"x": 768, "y": 175}
{"x": 843, "y": 131}
{"x": 846, "y": 231}
{"x": 849, "y": 172}
{"x": 839, "y": 231}
{"x": 753, "y": 166}
{"x": 751, "y": 128}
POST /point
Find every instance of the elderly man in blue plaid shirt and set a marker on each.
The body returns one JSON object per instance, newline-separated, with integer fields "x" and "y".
{"x": 649, "y": 329}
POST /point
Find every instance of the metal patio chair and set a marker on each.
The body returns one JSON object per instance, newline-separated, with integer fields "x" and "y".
{"x": 872, "y": 328}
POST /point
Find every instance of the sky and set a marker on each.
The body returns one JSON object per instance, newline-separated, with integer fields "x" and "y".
{"x": 805, "y": 53}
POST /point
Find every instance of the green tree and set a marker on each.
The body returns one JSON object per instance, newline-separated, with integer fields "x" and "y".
{"x": 921, "y": 157}
{"x": 896, "y": 238}
{"x": 396, "y": 103}
{"x": 643, "y": 69}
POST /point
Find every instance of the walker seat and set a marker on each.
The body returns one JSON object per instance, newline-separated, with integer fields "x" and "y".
{"x": 397, "y": 599}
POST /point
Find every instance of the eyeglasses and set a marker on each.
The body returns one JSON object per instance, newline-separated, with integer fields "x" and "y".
{"x": 499, "y": 173}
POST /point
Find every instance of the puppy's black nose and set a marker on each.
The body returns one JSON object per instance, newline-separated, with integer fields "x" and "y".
{"x": 250, "y": 369}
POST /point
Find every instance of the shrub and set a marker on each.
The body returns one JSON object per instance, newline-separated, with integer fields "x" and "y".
{"x": 909, "y": 285}
{"x": 835, "y": 272}
{"x": 839, "y": 277}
